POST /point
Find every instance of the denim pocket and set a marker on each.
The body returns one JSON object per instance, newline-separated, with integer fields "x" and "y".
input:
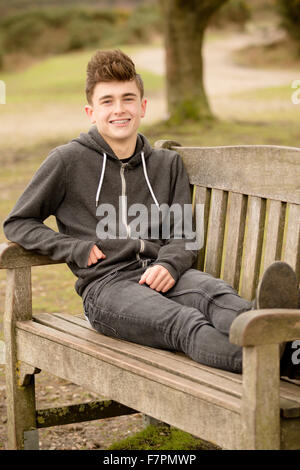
{"x": 103, "y": 327}
{"x": 96, "y": 314}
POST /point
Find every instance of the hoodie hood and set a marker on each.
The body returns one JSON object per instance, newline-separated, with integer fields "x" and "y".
{"x": 94, "y": 141}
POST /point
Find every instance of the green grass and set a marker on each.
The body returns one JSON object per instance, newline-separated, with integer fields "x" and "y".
{"x": 225, "y": 132}
{"x": 162, "y": 438}
{"x": 60, "y": 79}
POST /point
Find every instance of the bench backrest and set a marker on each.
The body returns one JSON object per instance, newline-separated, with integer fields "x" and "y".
{"x": 251, "y": 201}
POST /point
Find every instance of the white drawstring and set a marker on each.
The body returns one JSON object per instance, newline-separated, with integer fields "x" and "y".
{"x": 101, "y": 179}
{"x": 145, "y": 174}
{"x": 148, "y": 182}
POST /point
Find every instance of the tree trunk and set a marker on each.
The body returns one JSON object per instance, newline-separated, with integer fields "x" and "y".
{"x": 185, "y": 24}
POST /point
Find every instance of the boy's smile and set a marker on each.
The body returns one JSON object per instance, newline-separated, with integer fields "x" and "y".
{"x": 117, "y": 109}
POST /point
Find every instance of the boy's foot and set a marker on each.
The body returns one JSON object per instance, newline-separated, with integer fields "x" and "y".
{"x": 278, "y": 288}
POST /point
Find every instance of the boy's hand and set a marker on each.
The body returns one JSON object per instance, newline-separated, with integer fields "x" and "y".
{"x": 158, "y": 278}
{"x": 95, "y": 255}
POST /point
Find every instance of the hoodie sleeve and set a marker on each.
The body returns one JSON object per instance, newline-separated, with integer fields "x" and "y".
{"x": 41, "y": 198}
{"x": 176, "y": 255}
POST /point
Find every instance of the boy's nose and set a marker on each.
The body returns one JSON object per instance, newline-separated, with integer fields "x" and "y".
{"x": 119, "y": 107}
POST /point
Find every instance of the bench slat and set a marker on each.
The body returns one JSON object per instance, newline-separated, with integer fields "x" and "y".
{"x": 233, "y": 239}
{"x": 202, "y": 196}
{"x": 252, "y": 247}
{"x": 273, "y": 237}
{"x": 291, "y": 244}
{"x": 257, "y": 170}
{"x": 215, "y": 232}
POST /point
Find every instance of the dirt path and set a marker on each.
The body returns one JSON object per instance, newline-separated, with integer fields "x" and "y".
{"x": 222, "y": 76}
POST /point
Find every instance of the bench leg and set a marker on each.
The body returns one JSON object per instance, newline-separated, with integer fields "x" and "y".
{"x": 20, "y": 391}
{"x": 261, "y": 406}
{"x": 21, "y": 413}
{"x": 149, "y": 421}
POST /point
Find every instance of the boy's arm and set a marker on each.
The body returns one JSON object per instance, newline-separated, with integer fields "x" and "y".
{"x": 41, "y": 198}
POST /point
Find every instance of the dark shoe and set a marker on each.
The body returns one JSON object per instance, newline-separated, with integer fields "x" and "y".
{"x": 278, "y": 288}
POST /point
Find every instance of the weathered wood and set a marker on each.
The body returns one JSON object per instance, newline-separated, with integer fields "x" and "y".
{"x": 202, "y": 198}
{"x": 256, "y": 170}
{"x": 26, "y": 372}
{"x": 215, "y": 232}
{"x": 252, "y": 248}
{"x": 176, "y": 363}
{"x": 166, "y": 144}
{"x": 163, "y": 396}
{"x": 118, "y": 360}
{"x": 291, "y": 243}
{"x": 89, "y": 411}
{"x": 273, "y": 233}
{"x": 143, "y": 355}
{"x": 268, "y": 326}
{"x": 233, "y": 239}
{"x": 260, "y": 404}
{"x": 13, "y": 255}
{"x": 20, "y": 398}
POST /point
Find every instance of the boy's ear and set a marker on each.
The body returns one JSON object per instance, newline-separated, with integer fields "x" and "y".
{"x": 144, "y": 106}
{"x": 90, "y": 113}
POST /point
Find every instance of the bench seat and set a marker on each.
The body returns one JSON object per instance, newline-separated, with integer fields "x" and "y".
{"x": 147, "y": 379}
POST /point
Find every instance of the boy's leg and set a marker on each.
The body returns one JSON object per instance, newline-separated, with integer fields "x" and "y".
{"x": 120, "y": 307}
{"x": 220, "y": 303}
{"x": 217, "y": 300}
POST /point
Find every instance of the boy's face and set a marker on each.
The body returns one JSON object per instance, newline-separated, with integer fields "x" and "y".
{"x": 117, "y": 109}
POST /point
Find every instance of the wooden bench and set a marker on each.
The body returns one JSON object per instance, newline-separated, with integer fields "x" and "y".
{"x": 251, "y": 201}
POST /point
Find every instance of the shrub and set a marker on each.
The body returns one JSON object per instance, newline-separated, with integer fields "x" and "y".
{"x": 235, "y": 12}
{"x": 290, "y": 13}
{"x": 60, "y": 29}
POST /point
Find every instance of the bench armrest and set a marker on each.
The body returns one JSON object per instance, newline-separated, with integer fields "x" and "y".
{"x": 268, "y": 326}
{"x": 14, "y": 256}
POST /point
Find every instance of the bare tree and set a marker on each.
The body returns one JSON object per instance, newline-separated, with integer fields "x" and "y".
{"x": 185, "y": 22}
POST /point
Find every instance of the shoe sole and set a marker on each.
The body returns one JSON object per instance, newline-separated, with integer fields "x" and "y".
{"x": 278, "y": 287}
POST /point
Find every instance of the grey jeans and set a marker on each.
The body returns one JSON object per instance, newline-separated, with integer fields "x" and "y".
{"x": 193, "y": 317}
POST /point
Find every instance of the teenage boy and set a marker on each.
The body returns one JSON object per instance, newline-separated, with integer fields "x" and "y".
{"x": 140, "y": 288}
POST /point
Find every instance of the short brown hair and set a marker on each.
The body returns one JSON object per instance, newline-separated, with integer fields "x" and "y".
{"x": 106, "y": 66}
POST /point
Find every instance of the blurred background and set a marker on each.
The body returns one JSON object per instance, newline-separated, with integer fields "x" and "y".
{"x": 226, "y": 79}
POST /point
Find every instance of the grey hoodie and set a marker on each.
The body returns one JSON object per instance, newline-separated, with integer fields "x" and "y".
{"x": 67, "y": 185}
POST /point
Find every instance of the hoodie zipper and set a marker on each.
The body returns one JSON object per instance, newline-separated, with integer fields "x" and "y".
{"x": 124, "y": 213}
{"x": 124, "y": 208}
